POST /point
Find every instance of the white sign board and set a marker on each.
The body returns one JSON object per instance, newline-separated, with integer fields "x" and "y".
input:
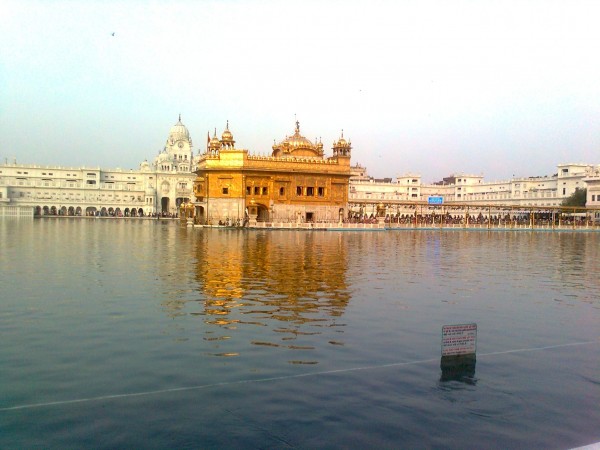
{"x": 459, "y": 339}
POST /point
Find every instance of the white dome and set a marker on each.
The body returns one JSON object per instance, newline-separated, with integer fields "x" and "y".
{"x": 179, "y": 131}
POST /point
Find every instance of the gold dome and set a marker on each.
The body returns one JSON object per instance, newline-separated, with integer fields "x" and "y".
{"x": 227, "y": 136}
{"x": 296, "y": 142}
{"x": 214, "y": 142}
{"x": 342, "y": 147}
{"x": 342, "y": 142}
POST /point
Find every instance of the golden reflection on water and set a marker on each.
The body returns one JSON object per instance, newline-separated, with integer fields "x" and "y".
{"x": 288, "y": 291}
{"x": 292, "y": 285}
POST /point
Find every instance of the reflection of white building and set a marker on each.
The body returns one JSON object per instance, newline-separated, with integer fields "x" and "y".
{"x": 157, "y": 187}
{"x": 548, "y": 190}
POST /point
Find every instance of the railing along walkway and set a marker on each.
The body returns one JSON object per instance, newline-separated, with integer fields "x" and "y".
{"x": 427, "y": 226}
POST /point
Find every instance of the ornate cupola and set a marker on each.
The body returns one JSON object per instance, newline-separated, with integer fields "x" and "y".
{"x": 342, "y": 147}
{"x": 214, "y": 145}
{"x": 227, "y": 141}
{"x": 319, "y": 147}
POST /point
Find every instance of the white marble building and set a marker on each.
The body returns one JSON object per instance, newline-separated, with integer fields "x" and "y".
{"x": 462, "y": 188}
{"x": 157, "y": 187}
{"x": 160, "y": 186}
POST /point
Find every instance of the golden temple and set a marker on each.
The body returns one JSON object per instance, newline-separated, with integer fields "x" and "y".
{"x": 296, "y": 183}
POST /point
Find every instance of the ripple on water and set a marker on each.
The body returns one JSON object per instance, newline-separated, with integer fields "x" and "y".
{"x": 364, "y": 310}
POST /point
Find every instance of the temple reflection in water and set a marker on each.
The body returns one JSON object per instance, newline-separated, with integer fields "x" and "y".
{"x": 292, "y": 285}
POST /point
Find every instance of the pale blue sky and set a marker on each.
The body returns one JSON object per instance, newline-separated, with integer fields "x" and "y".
{"x": 431, "y": 87}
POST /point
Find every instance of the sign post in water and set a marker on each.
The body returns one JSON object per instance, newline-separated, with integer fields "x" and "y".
{"x": 459, "y": 339}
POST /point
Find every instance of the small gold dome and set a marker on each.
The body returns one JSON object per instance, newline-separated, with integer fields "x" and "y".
{"x": 214, "y": 142}
{"x": 341, "y": 141}
{"x": 342, "y": 147}
{"x": 227, "y": 136}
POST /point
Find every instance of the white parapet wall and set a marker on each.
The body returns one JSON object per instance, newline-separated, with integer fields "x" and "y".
{"x": 18, "y": 212}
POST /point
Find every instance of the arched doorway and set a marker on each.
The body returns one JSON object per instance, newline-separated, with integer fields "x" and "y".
{"x": 78, "y": 211}
{"x": 37, "y": 211}
{"x": 126, "y": 212}
{"x": 71, "y": 211}
{"x": 140, "y": 212}
{"x": 118, "y": 212}
{"x": 46, "y": 210}
{"x": 103, "y": 212}
{"x": 164, "y": 204}
{"x": 200, "y": 216}
{"x": 262, "y": 213}
{"x": 90, "y": 211}
{"x": 53, "y": 210}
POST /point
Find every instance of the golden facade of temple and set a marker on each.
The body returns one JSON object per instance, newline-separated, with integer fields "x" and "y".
{"x": 296, "y": 183}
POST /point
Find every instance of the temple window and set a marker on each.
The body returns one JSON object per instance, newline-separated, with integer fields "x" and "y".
{"x": 321, "y": 192}
{"x": 256, "y": 190}
{"x": 281, "y": 191}
{"x": 225, "y": 191}
{"x": 248, "y": 190}
{"x": 299, "y": 190}
{"x": 265, "y": 191}
{"x": 310, "y": 191}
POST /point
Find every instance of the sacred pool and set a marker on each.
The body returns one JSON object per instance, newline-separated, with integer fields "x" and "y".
{"x": 147, "y": 334}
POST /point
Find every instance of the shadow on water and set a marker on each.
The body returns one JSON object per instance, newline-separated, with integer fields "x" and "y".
{"x": 458, "y": 368}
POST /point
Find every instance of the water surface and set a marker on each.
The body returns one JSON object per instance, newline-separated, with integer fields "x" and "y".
{"x": 133, "y": 333}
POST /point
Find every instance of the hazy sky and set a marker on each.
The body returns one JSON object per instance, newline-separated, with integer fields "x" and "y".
{"x": 430, "y": 87}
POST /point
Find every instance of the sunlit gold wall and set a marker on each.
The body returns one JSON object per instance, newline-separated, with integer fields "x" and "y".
{"x": 232, "y": 181}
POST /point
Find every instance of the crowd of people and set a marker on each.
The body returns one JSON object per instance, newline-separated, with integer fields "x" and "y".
{"x": 521, "y": 219}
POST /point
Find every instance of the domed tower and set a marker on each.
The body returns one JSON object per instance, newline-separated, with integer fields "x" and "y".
{"x": 179, "y": 132}
{"x": 342, "y": 147}
{"x": 177, "y": 155}
{"x": 227, "y": 142}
